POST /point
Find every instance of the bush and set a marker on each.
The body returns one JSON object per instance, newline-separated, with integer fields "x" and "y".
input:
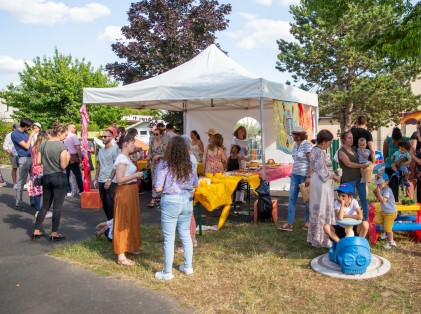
{"x": 5, "y": 127}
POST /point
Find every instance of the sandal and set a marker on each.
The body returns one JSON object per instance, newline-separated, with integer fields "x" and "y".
{"x": 58, "y": 237}
{"x": 126, "y": 262}
{"x": 37, "y": 236}
{"x": 285, "y": 227}
{"x": 305, "y": 227}
{"x": 152, "y": 204}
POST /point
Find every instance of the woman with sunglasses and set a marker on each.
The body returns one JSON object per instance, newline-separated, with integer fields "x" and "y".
{"x": 156, "y": 152}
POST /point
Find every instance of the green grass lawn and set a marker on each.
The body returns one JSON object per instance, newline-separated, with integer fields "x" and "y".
{"x": 255, "y": 268}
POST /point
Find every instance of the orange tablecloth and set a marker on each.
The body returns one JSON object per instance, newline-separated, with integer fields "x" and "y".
{"x": 219, "y": 194}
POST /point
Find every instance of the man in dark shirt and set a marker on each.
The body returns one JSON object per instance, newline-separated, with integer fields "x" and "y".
{"x": 22, "y": 141}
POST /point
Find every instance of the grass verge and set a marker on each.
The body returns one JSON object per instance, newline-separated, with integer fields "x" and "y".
{"x": 254, "y": 268}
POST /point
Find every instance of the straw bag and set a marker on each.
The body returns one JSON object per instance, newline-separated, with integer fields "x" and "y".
{"x": 305, "y": 192}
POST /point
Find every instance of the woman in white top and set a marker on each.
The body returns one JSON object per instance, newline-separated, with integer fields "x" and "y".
{"x": 197, "y": 147}
{"x": 126, "y": 228}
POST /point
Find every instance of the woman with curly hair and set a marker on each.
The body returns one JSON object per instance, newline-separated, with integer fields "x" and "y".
{"x": 176, "y": 177}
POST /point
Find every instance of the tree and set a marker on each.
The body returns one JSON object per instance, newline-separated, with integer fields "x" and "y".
{"x": 349, "y": 81}
{"x": 400, "y": 39}
{"x": 51, "y": 90}
{"x": 164, "y": 34}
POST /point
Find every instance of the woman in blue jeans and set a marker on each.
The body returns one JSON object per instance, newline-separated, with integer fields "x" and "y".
{"x": 301, "y": 173}
{"x": 348, "y": 160}
{"x": 175, "y": 178}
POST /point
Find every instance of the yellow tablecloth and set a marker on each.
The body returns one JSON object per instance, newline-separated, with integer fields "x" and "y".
{"x": 219, "y": 194}
{"x": 141, "y": 164}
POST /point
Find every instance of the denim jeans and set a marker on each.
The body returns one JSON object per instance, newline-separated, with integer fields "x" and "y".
{"x": 75, "y": 168}
{"x": 176, "y": 211}
{"x": 393, "y": 183}
{"x": 296, "y": 180}
{"x": 25, "y": 164}
{"x": 362, "y": 193}
{"x": 37, "y": 202}
{"x": 107, "y": 198}
{"x": 54, "y": 191}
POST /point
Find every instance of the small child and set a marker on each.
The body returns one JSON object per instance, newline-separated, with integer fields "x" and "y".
{"x": 403, "y": 152}
{"x": 363, "y": 154}
{"x": 346, "y": 206}
{"x": 234, "y": 158}
{"x": 387, "y": 216}
{"x": 105, "y": 228}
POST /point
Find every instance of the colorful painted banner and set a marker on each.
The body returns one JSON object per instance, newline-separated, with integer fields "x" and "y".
{"x": 85, "y": 122}
{"x": 286, "y": 115}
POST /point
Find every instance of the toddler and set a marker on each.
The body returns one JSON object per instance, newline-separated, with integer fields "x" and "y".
{"x": 363, "y": 155}
{"x": 386, "y": 217}
{"x": 234, "y": 159}
{"x": 403, "y": 152}
{"x": 105, "y": 228}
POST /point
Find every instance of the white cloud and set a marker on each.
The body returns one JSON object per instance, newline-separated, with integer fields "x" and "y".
{"x": 110, "y": 34}
{"x": 263, "y": 2}
{"x": 263, "y": 32}
{"x": 8, "y": 65}
{"x": 50, "y": 12}
{"x": 288, "y": 2}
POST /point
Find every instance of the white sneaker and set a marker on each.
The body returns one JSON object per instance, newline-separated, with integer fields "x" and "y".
{"x": 49, "y": 214}
{"x": 163, "y": 276}
{"x": 15, "y": 187}
{"x": 69, "y": 194}
{"x": 186, "y": 271}
{"x": 36, "y": 214}
{"x": 362, "y": 180}
{"x": 383, "y": 236}
{"x": 26, "y": 187}
{"x": 390, "y": 245}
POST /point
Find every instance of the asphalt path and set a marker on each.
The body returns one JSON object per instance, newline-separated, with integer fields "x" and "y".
{"x": 33, "y": 282}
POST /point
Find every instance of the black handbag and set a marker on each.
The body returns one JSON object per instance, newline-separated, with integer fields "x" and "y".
{"x": 38, "y": 181}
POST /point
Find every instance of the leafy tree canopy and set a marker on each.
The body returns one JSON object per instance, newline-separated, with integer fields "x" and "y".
{"x": 164, "y": 34}
{"x": 51, "y": 90}
{"x": 399, "y": 40}
{"x": 350, "y": 81}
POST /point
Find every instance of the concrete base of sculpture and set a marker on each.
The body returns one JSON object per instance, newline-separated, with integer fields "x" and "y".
{"x": 322, "y": 264}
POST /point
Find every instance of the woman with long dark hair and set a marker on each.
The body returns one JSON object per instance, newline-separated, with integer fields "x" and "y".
{"x": 176, "y": 178}
{"x": 197, "y": 147}
{"x": 54, "y": 157}
{"x": 215, "y": 157}
{"x": 126, "y": 227}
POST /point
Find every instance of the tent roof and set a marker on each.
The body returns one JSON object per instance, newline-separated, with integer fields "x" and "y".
{"x": 211, "y": 79}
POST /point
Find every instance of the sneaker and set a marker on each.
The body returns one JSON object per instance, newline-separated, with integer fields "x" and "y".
{"x": 362, "y": 180}
{"x": 49, "y": 214}
{"x": 285, "y": 227}
{"x": 406, "y": 183}
{"x": 383, "y": 236}
{"x": 15, "y": 187}
{"x": 390, "y": 245}
{"x": 36, "y": 214}
{"x": 18, "y": 208}
{"x": 26, "y": 187}
{"x": 69, "y": 194}
{"x": 186, "y": 271}
{"x": 163, "y": 276}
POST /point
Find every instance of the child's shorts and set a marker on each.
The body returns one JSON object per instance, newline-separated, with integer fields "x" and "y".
{"x": 404, "y": 169}
{"x": 387, "y": 220}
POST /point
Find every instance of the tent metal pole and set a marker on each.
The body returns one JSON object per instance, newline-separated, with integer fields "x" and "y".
{"x": 184, "y": 116}
{"x": 263, "y": 138}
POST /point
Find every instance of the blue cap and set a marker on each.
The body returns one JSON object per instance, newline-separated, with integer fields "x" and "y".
{"x": 381, "y": 178}
{"x": 345, "y": 188}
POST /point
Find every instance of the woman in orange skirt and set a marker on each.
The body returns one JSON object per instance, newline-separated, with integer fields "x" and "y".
{"x": 126, "y": 227}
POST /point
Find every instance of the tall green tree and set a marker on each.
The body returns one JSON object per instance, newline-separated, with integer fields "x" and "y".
{"x": 163, "y": 34}
{"x": 51, "y": 90}
{"x": 350, "y": 81}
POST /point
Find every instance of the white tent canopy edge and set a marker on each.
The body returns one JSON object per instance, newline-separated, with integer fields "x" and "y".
{"x": 209, "y": 85}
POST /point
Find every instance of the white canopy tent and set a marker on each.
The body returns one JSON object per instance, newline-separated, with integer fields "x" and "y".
{"x": 213, "y": 92}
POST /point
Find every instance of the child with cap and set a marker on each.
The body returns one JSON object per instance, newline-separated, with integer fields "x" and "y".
{"x": 346, "y": 206}
{"x": 386, "y": 217}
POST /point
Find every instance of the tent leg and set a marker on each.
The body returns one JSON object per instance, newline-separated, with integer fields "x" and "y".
{"x": 263, "y": 137}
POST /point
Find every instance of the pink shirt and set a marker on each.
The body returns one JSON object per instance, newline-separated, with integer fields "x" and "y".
{"x": 71, "y": 142}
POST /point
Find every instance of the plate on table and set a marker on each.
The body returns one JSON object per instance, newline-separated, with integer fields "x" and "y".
{"x": 253, "y": 168}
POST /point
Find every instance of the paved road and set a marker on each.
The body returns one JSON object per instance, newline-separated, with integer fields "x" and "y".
{"x": 33, "y": 282}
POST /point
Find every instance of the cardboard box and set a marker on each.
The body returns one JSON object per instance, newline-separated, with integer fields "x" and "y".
{"x": 90, "y": 200}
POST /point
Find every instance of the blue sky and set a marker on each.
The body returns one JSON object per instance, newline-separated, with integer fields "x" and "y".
{"x": 86, "y": 29}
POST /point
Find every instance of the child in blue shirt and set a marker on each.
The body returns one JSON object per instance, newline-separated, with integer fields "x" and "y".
{"x": 403, "y": 152}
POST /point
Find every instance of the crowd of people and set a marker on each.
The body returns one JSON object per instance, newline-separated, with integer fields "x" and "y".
{"x": 50, "y": 157}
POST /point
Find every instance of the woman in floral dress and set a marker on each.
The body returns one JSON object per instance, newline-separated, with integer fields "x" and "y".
{"x": 321, "y": 192}
{"x": 214, "y": 157}
{"x": 156, "y": 153}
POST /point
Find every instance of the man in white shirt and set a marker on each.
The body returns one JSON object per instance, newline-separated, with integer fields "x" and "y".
{"x": 73, "y": 146}
{"x": 9, "y": 147}
{"x": 105, "y": 174}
